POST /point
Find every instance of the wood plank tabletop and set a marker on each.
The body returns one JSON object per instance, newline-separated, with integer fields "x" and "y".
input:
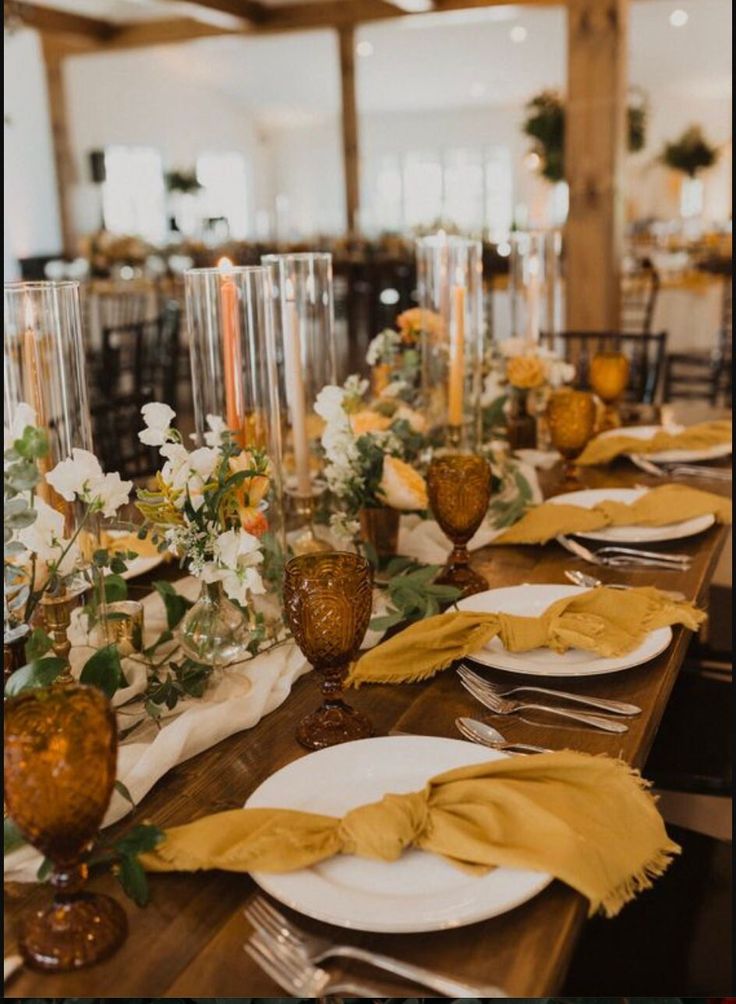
{"x": 188, "y": 942}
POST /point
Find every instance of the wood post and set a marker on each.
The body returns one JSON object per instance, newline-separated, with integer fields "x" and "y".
{"x": 351, "y": 159}
{"x": 595, "y": 147}
{"x": 53, "y": 59}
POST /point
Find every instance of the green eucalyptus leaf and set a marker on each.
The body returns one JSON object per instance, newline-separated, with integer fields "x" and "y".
{"x": 176, "y": 604}
{"x": 103, "y": 670}
{"x": 116, "y": 588}
{"x": 39, "y": 673}
{"x": 38, "y": 644}
{"x": 12, "y": 837}
{"x": 133, "y": 879}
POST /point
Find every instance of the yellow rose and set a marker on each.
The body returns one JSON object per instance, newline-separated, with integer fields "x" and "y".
{"x": 401, "y": 486}
{"x": 412, "y": 322}
{"x": 368, "y": 421}
{"x": 526, "y": 372}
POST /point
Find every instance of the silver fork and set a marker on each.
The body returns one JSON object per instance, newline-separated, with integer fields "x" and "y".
{"x": 272, "y": 923}
{"x": 605, "y": 704}
{"x": 681, "y": 470}
{"x": 297, "y": 976}
{"x": 505, "y": 706}
{"x": 627, "y": 560}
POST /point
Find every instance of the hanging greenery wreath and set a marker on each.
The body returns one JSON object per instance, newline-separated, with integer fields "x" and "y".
{"x": 545, "y": 125}
{"x": 690, "y": 153}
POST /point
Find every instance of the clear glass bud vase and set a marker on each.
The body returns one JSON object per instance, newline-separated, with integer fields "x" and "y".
{"x": 215, "y": 631}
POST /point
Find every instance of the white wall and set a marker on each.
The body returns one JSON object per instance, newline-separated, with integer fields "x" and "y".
{"x": 149, "y": 97}
{"x": 30, "y": 199}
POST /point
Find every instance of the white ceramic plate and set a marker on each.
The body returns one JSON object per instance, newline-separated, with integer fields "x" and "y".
{"x": 421, "y": 891}
{"x": 533, "y": 600}
{"x": 633, "y": 534}
{"x": 671, "y": 456}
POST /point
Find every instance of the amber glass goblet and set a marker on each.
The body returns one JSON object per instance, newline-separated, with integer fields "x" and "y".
{"x": 609, "y": 377}
{"x": 328, "y": 599}
{"x": 59, "y": 770}
{"x": 571, "y": 417}
{"x": 459, "y": 487}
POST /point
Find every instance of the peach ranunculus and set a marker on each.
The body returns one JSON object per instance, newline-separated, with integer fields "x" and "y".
{"x": 526, "y": 372}
{"x": 253, "y": 490}
{"x": 365, "y": 421}
{"x": 417, "y": 421}
{"x": 401, "y": 486}
{"x": 412, "y": 322}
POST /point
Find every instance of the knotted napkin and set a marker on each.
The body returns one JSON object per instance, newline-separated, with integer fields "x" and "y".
{"x": 609, "y": 622}
{"x": 658, "y": 507}
{"x": 587, "y": 820}
{"x": 603, "y": 449}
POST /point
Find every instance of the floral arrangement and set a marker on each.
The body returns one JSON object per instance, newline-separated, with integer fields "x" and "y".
{"x": 42, "y": 553}
{"x": 208, "y": 505}
{"x": 368, "y": 450}
{"x": 395, "y": 355}
{"x": 518, "y": 366}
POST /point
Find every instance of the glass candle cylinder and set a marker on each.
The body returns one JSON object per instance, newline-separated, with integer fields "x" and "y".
{"x": 230, "y": 326}
{"x": 302, "y": 289}
{"x": 536, "y": 285}
{"x": 44, "y": 368}
{"x": 450, "y": 285}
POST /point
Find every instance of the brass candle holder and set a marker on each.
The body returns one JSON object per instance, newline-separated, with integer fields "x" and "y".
{"x": 56, "y": 610}
{"x": 305, "y": 540}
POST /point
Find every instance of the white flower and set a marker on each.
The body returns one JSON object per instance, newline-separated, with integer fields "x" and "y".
{"x": 329, "y": 403}
{"x": 74, "y": 475}
{"x": 204, "y": 461}
{"x": 45, "y": 537}
{"x": 24, "y": 416}
{"x": 158, "y": 418}
{"x": 492, "y": 389}
{"x": 560, "y": 372}
{"x": 236, "y": 553}
{"x": 217, "y": 429}
{"x": 111, "y": 492}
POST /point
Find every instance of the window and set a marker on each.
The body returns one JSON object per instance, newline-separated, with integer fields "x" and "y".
{"x": 133, "y": 192}
{"x": 224, "y": 177}
{"x": 471, "y": 188}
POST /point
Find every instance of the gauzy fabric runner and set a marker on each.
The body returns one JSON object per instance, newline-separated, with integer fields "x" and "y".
{"x": 587, "y": 820}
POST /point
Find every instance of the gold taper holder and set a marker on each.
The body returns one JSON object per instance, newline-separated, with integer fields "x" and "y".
{"x": 305, "y": 540}
{"x": 57, "y": 616}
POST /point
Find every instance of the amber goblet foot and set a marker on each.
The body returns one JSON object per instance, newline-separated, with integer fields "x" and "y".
{"x": 459, "y": 487}
{"x": 60, "y": 756}
{"x": 328, "y": 599}
{"x": 571, "y": 417}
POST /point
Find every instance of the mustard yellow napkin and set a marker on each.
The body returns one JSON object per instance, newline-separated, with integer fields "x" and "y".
{"x": 603, "y": 449}
{"x": 587, "y": 820}
{"x": 609, "y": 622}
{"x": 129, "y": 542}
{"x": 659, "y": 507}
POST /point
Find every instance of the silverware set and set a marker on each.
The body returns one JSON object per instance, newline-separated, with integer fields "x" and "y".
{"x": 498, "y": 701}
{"x": 590, "y": 582}
{"x": 615, "y": 556}
{"x": 671, "y": 470}
{"x": 289, "y": 955}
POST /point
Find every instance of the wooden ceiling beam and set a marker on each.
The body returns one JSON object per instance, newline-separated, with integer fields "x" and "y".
{"x": 50, "y": 21}
{"x": 257, "y": 19}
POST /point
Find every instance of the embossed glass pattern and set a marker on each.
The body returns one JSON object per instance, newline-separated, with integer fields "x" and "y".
{"x": 60, "y": 757}
{"x": 571, "y": 417}
{"x": 459, "y": 487}
{"x": 328, "y": 599}
{"x": 609, "y": 377}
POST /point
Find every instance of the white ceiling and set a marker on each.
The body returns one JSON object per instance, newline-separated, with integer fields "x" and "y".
{"x": 437, "y": 61}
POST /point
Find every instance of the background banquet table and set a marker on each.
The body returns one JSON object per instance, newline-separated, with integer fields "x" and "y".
{"x": 189, "y": 940}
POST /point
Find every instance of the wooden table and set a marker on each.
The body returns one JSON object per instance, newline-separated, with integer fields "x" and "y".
{"x": 189, "y": 941}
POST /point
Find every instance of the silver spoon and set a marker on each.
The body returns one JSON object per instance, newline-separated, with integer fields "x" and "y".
{"x": 486, "y": 735}
{"x": 590, "y": 582}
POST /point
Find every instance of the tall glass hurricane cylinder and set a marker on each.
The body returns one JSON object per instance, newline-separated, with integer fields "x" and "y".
{"x": 450, "y": 281}
{"x": 44, "y": 368}
{"x": 536, "y": 285}
{"x": 306, "y": 360}
{"x": 229, "y": 314}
